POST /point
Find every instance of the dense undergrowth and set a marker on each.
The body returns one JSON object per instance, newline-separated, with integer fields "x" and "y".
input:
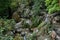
{"x": 35, "y": 15}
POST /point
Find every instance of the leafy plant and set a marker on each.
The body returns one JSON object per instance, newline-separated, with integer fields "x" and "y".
{"x": 52, "y": 6}
{"x": 5, "y": 26}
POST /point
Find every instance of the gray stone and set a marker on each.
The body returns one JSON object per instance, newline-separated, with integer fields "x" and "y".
{"x": 18, "y": 25}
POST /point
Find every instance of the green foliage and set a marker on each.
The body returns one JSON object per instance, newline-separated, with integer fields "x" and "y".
{"x": 6, "y": 38}
{"x": 36, "y": 20}
{"x": 4, "y": 4}
{"x": 52, "y": 5}
{"x": 5, "y": 26}
{"x": 26, "y": 7}
{"x": 37, "y": 5}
